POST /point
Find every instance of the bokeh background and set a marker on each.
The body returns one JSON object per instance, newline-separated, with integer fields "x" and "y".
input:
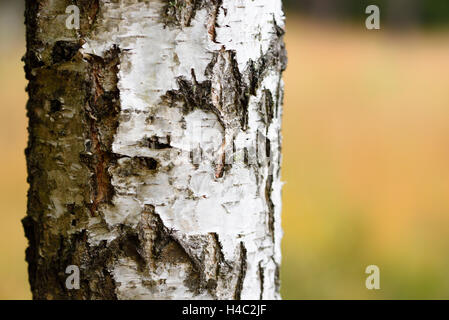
{"x": 366, "y": 150}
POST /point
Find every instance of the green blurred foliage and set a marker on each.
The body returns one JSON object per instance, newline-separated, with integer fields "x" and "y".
{"x": 394, "y": 12}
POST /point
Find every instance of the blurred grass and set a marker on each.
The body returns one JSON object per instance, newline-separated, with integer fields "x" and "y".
{"x": 365, "y": 162}
{"x": 366, "y": 150}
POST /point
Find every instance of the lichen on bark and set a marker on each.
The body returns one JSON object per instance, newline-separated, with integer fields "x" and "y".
{"x": 114, "y": 110}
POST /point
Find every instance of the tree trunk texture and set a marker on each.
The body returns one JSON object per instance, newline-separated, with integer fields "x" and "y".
{"x": 154, "y": 148}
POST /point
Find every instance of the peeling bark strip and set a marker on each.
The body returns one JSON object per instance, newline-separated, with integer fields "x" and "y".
{"x": 118, "y": 111}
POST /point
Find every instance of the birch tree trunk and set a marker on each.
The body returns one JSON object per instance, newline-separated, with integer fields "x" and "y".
{"x": 154, "y": 148}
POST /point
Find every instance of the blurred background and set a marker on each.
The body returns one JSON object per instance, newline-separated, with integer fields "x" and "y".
{"x": 366, "y": 150}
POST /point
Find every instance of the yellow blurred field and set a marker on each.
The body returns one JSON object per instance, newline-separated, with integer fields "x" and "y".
{"x": 366, "y": 164}
{"x": 366, "y": 161}
{"x": 13, "y": 186}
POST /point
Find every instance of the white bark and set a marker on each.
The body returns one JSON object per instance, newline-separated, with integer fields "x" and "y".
{"x": 208, "y": 223}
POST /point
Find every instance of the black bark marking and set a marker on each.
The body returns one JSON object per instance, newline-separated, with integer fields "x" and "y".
{"x": 158, "y": 245}
{"x": 150, "y": 163}
{"x": 230, "y": 97}
{"x": 268, "y": 151}
{"x": 220, "y": 264}
{"x": 64, "y": 51}
{"x": 208, "y": 267}
{"x": 129, "y": 245}
{"x": 179, "y": 13}
{"x": 192, "y": 94}
{"x": 136, "y": 166}
{"x": 277, "y": 277}
{"x": 31, "y": 255}
{"x": 241, "y": 274}
{"x": 268, "y": 191}
{"x": 229, "y": 105}
{"x": 156, "y": 144}
{"x": 268, "y": 108}
{"x": 55, "y": 106}
{"x": 275, "y": 57}
{"x": 261, "y": 279}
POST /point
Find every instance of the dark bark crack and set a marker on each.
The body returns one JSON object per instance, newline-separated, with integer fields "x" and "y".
{"x": 180, "y": 13}
{"x": 102, "y": 115}
{"x": 64, "y": 51}
{"x": 158, "y": 143}
{"x": 158, "y": 245}
{"x": 242, "y": 272}
{"x": 261, "y": 279}
{"x": 268, "y": 191}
